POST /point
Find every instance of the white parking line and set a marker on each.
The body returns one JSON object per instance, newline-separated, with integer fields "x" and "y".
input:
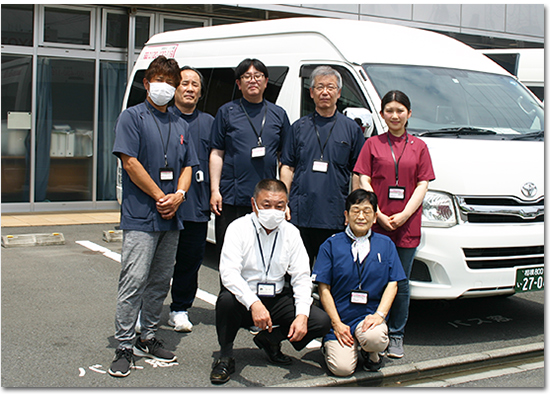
{"x": 201, "y": 294}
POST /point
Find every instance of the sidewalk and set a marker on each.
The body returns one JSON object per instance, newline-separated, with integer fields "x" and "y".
{"x": 60, "y": 218}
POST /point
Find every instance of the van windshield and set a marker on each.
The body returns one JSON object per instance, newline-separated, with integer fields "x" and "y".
{"x": 447, "y": 101}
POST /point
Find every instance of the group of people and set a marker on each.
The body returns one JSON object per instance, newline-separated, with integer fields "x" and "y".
{"x": 277, "y": 238}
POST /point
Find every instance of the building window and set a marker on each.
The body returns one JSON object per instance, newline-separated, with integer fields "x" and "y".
{"x": 17, "y": 24}
{"x": 174, "y": 24}
{"x": 67, "y": 25}
{"x": 143, "y": 30}
{"x": 115, "y": 30}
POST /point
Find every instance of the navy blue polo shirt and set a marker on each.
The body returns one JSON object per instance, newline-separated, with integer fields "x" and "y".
{"x": 317, "y": 199}
{"x": 137, "y": 135}
{"x": 335, "y": 267}
{"x": 232, "y": 132}
{"x": 197, "y": 206}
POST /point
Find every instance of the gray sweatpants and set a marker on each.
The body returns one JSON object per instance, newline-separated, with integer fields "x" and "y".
{"x": 147, "y": 260}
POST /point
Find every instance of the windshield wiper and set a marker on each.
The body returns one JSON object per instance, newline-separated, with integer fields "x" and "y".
{"x": 463, "y": 130}
{"x": 532, "y": 135}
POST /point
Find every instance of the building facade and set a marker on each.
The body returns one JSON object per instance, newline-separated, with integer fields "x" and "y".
{"x": 65, "y": 70}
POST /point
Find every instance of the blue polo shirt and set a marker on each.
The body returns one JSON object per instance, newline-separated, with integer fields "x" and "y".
{"x": 335, "y": 267}
{"x": 197, "y": 206}
{"x": 137, "y": 135}
{"x": 232, "y": 132}
{"x": 317, "y": 199}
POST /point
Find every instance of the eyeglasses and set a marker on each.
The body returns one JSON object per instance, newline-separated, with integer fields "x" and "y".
{"x": 355, "y": 212}
{"x": 248, "y": 77}
{"x": 321, "y": 88}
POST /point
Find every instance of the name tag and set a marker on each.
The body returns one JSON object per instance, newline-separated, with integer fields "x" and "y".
{"x": 396, "y": 193}
{"x": 359, "y": 297}
{"x": 320, "y": 166}
{"x": 266, "y": 289}
{"x": 166, "y": 174}
{"x": 258, "y": 152}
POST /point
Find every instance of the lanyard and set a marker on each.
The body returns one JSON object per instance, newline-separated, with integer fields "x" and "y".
{"x": 164, "y": 147}
{"x": 319, "y": 136}
{"x": 259, "y": 136}
{"x": 396, "y": 163}
{"x": 262, "y": 253}
{"x": 360, "y": 269}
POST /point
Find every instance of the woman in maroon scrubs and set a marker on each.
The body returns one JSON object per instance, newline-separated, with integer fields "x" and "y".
{"x": 397, "y": 167}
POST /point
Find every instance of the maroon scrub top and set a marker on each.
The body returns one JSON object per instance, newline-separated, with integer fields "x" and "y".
{"x": 415, "y": 165}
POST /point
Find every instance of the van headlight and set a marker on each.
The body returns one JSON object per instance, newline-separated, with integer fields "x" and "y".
{"x": 438, "y": 210}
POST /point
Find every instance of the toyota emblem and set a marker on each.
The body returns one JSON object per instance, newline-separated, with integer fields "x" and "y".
{"x": 529, "y": 189}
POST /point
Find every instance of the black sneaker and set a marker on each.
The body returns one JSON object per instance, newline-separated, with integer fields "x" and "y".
{"x": 123, "y": 362}
{"x": 153, "y": 348}
{"x": 369, "y": 365}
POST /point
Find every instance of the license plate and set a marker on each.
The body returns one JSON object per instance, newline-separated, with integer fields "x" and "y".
{"x": 529, "y": 279}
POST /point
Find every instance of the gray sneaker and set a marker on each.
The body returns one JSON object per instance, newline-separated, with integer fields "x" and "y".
{"x": 395, "y": 348}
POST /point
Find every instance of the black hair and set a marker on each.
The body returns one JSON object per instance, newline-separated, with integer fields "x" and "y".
{"x": 271, "y": 185}
{"x": 360, "y": 195}
{"x": 396, "y": 95}
{"x": 246, "y": 64}
{"x": 164, "y": 66}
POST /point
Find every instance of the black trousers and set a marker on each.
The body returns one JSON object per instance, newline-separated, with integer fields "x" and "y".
{"x": 229, "y": 214}
{"x": 232, "y": 315}
{"x": 313, "y": 238}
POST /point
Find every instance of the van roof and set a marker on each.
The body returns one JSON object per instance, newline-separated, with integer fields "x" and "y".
{"x": 357, "y": 41}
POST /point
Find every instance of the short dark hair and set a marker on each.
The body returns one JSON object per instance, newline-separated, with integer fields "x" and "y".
{"x": 164, "y": 66}
{"x": 396, "y": 95}
{"x": 246, "y": 64}
{"x": 271, "y": 185}
{"x": 360, "y": 195}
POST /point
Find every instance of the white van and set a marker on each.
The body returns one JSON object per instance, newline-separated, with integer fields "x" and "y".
{"x": 483, "y": 218}
{"x": 526, "y": 64}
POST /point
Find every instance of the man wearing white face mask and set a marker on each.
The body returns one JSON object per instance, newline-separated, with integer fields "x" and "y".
{"x": 259, "y": 250}
{"x": 157, "y": 161}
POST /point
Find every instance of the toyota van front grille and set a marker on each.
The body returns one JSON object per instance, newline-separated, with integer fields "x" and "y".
{"x": 488, "y": 210}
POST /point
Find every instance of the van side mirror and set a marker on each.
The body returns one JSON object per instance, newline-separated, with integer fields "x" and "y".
{"x": 363, "y": 117}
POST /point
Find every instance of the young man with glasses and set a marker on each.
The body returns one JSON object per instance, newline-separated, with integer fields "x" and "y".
{"x": 247, "y": 135}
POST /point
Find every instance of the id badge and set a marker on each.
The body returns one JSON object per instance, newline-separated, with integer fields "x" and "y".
{"x": 166, "y": 174}
{"x": 359, "y": 297}
{"x": 266, "y": 289}
{"x": 258, "y": 152}
{"x": 320, "y": 166}
{"x": 396, "y": 193}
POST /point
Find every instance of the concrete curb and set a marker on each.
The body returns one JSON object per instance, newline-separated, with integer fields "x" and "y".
{"x": 424, "y": 368}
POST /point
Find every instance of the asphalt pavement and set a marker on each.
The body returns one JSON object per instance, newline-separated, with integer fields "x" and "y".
{"x": 58, "y": 305}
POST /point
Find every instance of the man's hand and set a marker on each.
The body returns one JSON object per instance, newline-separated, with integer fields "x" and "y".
{"x": 168, "y": 205}
{"x": 343, "y": 334}
{"x": 261, "y": 316}
{"x": 216, "y": 203}
{"x": 371, "y": 321}
{"x": 298, "y": 329}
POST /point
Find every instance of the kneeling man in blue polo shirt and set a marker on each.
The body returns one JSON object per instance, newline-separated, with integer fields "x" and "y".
{"x": 157, "y": 158}
{"x": 357, "y": 271}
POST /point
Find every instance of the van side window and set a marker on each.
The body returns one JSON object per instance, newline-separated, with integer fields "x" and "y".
{"x": 219, "y": 87}
{"x": 351, "y": 93}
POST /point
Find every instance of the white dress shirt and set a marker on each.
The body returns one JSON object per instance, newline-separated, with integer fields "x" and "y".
{"x": 241, "y": 267}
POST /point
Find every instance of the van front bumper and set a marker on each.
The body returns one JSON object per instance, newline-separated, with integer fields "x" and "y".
{"x": 474, "y": 260}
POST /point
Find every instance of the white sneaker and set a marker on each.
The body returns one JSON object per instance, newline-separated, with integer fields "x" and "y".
{"x": 180, "y": 321}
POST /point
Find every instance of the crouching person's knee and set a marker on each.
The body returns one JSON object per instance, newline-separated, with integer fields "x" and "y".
{"x": 341, "y": 360}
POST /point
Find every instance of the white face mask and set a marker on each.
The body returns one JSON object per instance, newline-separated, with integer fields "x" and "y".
{"x": 270, "y": 218}
{"x": 161, "y": 92}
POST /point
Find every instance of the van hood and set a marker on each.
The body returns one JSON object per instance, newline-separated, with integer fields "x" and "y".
{"x": 487, "y": 167}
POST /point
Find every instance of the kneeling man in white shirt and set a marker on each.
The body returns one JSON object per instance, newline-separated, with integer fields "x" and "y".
{"x": 259, "y": 250}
